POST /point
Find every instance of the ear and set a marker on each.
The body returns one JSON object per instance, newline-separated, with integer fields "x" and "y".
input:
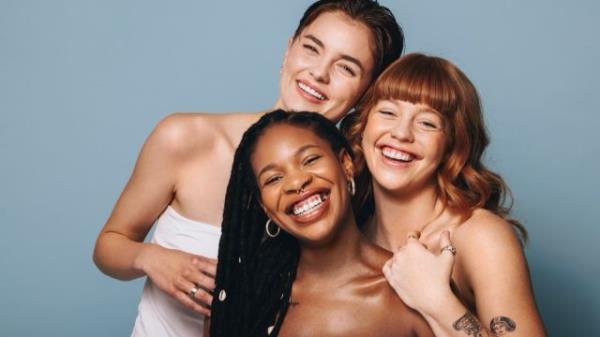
{"x": 347, "y": 164}
{"x": 287, "y": 50}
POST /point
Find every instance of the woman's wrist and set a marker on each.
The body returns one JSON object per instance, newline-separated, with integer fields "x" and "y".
{"x": 445, "y": 310}
{"x": 140, "y": 263}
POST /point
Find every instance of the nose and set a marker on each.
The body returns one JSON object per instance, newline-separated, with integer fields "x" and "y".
{"x": 402, "y": 130}
{"x": 297, "y": 181}
{"x": 320, "y": 71}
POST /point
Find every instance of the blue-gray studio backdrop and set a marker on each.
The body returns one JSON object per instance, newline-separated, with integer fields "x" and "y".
{"x": 82, "y": 83}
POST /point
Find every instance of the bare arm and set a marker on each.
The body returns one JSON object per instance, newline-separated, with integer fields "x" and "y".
{"x": 120, "y": 251}
{"x": 496, "y": 271}
{"x": 495, "y": 267}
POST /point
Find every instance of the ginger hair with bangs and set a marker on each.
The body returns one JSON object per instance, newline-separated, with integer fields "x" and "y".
{"x": 463, "y": 181}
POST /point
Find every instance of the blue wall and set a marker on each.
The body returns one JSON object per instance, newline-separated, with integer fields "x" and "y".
{"x": 82, "y": 83}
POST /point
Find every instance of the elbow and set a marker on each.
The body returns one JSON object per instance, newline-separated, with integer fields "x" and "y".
{"x": 97, "y": 256}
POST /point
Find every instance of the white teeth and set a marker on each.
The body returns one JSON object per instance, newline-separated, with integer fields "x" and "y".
{"x": 309, "y": 204}
{"x": 397, "y": 155}
{"x": 310, "y": 91}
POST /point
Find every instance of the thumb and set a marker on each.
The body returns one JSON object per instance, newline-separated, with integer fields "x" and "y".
{"x": 445, "y": 238}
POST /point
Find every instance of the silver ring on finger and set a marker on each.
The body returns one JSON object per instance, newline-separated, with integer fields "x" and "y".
{"x": 449, "y": 248}
{"x": 193, "y": 291}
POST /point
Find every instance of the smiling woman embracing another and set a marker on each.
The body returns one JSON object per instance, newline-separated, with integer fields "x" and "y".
{"x": 419, "y": 138}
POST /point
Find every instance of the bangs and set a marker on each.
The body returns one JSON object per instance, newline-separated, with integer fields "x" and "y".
{"x": 419, "y": 79}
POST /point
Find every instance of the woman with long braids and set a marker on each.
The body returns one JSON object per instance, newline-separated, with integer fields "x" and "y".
{"x": 419, "y": 138}
{"x": 179, "y": 181}
{"x": 292, "y": 261}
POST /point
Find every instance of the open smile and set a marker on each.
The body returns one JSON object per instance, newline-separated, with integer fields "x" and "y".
{"x": 310, "y": 207}
{"x": 310, "y": 93}
{"x": 396, "y": 156}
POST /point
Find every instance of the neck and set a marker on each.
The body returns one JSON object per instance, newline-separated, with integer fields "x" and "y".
{"x": 279, "y": 105}
{"x": 397, "y": 214}
{"x": 340, "y": 252}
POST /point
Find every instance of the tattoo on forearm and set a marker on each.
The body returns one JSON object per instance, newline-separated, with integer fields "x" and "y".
{"x": 502, "y": 325}
{"x": 469, "y": 324}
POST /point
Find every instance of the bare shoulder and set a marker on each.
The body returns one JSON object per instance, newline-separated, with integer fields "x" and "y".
{"x": 484, "y": 229}
{"x": 186, "y": 133}
{"x": 486, "y": 239}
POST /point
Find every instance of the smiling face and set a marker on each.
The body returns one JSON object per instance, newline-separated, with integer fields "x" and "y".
{"x": 403, "y": 145}
{"x": 302, "y": 183}
{"x": 327, "y": 67}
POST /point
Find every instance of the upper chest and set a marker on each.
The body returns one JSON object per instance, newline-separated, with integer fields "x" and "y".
{"x": 339, "y": 313}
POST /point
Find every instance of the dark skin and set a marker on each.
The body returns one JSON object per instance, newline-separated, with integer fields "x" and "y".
{"x": 354, "y": 301}
{"x": 340, "y": 289}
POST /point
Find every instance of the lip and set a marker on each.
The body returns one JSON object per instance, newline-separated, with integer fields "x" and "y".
{"x": 312, "y": 99}
{"x": 314, "y": 214}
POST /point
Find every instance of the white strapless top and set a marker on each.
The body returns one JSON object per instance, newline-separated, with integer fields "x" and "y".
{"x": 158, "y": 314}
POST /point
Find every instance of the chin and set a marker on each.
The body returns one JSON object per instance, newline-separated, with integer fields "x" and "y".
{"x": 392, "y": 185}
{"x": 300, "y": 105}
{"x": 318, "y": 237}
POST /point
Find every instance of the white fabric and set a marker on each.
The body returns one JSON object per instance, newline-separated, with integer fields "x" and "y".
{"x": 158, "y": 314}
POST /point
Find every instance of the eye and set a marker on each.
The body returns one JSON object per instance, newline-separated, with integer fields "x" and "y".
{"x": 310, "y": 48}
{"x": 429, "y": 124}
{"x": 386, "y": 113}
{"x": 271, "y": 180}
{"x": 311, "y": 159}
{"x": 348, "y": 70}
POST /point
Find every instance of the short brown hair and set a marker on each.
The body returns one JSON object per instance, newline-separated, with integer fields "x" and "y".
{"x": 387, "y": 34}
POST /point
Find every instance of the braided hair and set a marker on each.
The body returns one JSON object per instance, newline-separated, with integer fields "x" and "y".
{"x": 255, "y": 272}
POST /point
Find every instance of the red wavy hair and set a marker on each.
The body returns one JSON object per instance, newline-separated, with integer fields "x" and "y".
{"x": 463, "y": 181}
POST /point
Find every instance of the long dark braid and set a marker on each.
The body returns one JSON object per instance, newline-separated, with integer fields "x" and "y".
{"x": 255, "y": 273}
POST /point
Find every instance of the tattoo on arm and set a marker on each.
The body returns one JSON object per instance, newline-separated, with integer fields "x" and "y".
{"x": 469, "y": 324}
{"x": 502, "y": 325}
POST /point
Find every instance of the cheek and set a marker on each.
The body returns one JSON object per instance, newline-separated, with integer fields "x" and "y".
{"x": 268, "y": 199}
{"x": 372, "y": 131}
{"x": 437, "y": 148}
{"x": 348, "y": 88}
{"x": 296, "y": 60}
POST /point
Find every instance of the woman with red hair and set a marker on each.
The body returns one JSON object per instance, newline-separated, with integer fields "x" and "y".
{"x": 419, "y": 137}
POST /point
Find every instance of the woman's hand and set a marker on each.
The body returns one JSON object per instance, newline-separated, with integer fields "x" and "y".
{"x": 419, "y": 277}
{"x": 186, "y": 277}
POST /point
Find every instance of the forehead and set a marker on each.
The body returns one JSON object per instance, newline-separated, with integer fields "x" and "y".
{"x": 341, "y": 33}
{"x": 279, "y": 143}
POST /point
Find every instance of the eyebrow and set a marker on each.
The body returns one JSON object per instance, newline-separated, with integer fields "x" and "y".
{"x": 343, "y": 56}
{"x": 272, "y": 166}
